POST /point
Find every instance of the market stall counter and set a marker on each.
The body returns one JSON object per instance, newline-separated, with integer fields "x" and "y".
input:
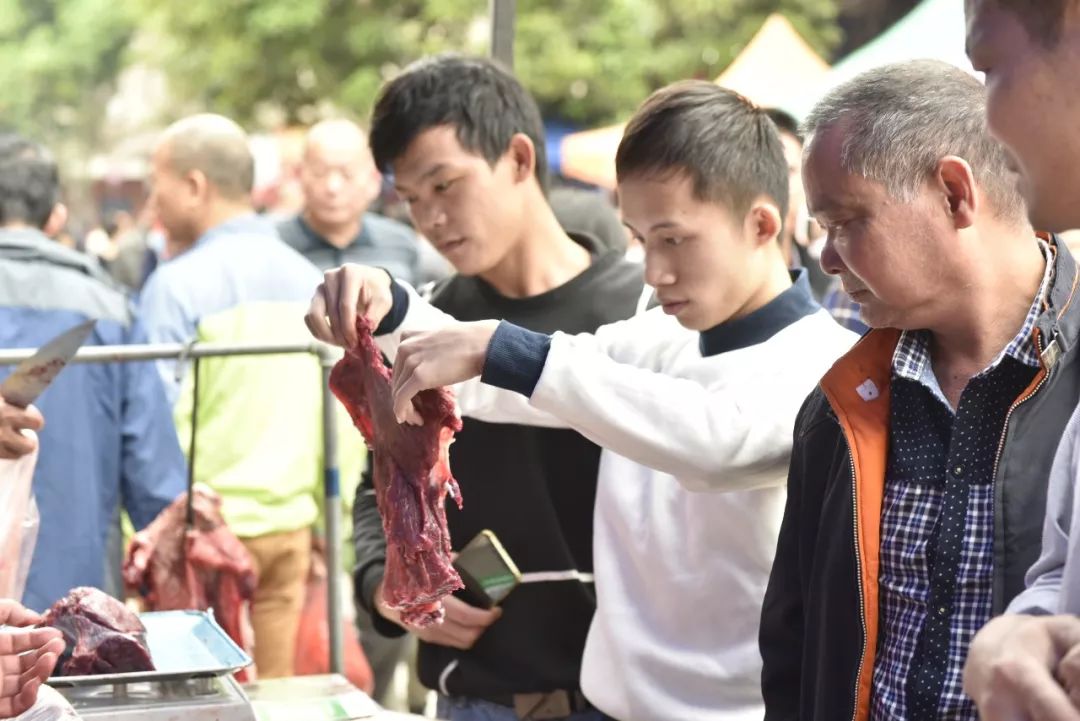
{"x": 192, "y": 679}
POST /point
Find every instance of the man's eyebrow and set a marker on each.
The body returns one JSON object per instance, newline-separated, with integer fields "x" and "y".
{"x": 423, "y": 176}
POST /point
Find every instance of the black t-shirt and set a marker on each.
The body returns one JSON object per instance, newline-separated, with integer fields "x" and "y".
{"x": 535, "y": 488}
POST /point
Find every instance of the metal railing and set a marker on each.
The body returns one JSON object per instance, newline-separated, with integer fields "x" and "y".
{"x": 327, "y": 356}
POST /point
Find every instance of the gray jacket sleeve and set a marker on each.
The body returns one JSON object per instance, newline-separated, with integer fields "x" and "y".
{"x": 1055, "y": 571}
{"x": 369, "y": 541}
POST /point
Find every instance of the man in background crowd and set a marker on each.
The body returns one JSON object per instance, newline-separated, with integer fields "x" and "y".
{"x": 589, "y": 212}
{"x": 110, "y": 439}
{"x": 233, "y": 280}
{"x": 340, "y": 182}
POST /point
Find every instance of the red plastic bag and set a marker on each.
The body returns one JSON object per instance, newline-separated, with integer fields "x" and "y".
{"x": 313, "y": 637}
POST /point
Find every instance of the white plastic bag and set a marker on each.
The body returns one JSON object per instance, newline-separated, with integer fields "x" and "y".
{"x": 50, "y": 706}
{"x": 19, "y": 522}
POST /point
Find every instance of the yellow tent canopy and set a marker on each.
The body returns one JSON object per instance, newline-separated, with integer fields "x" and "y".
{"x": 775, "y": 66}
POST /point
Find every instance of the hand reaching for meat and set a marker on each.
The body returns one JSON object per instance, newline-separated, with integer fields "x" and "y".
{"x": 434, "y": 359}
{"x": 412, "y": 477}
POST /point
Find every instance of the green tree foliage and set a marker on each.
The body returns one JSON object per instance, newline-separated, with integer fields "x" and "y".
{"x": 588, "y": 61}
{"x": 59, "y": 60}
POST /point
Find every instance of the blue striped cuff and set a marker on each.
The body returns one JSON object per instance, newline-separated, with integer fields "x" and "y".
{"x": 515, "y": 359}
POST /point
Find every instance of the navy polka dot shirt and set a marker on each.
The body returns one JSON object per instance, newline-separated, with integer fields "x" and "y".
{"x": 937, "y": 524}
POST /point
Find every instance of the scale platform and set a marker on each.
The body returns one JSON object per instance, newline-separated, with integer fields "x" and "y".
{"x": 202, "y": 699}
{"x": 192, "y": 681}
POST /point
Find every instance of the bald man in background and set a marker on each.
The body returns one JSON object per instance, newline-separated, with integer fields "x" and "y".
{"x": 232, "y": 280}
{"x": 340, "y": 183}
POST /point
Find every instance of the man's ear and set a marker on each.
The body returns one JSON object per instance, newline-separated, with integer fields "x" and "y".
{"x": 58, "y": 218}
{"x": 197, "y": 185}
{"x": 956, "y": 182}
{"x": 522, "y": 154}
{"x": 763, "y": 222}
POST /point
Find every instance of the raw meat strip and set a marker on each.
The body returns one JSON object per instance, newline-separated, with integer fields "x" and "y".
{"x": 175, "y": 569}
{"x": 412, "y": 476}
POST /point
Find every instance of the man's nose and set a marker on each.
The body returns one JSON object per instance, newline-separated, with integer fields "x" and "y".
{"x": 830, "y": 260}
{"x": 658, "y": 271}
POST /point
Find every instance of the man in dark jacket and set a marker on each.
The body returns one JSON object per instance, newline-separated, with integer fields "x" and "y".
{"x": 918, "y": 475}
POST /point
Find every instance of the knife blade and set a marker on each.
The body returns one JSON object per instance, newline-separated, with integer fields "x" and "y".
{"x": 33, "y": 375}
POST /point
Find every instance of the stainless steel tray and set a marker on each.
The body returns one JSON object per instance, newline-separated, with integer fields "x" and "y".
{"x": 183, "y": 645}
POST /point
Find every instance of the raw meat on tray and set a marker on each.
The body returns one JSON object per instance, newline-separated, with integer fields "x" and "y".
{"x": 412, "y": 477}
{"x": 102, "y": 635}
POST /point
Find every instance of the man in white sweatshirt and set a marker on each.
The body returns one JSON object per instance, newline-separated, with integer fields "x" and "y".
{"x": 697, "y": 395}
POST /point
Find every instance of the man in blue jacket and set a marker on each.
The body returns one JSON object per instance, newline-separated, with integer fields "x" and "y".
{"x": 110, "y": 438}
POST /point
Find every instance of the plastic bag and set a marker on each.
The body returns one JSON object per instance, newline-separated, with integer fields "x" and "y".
{"x": 19, "y": 522}
{"x": 50, "y": 706}
{"x": 313, "y": 637}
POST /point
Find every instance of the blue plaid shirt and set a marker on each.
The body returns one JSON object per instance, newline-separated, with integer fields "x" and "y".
{"x": 937, "y": 526}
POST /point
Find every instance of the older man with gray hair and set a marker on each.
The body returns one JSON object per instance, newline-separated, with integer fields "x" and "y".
{"x": 918, "y": 476}
{"x": 234, "y": 281}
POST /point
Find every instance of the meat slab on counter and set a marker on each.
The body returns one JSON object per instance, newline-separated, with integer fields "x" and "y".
{"x": 102, "y": 635}
{"x": 412, "y": 477}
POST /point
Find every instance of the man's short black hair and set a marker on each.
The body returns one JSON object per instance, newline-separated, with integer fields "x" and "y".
{"x": 726, "y": 144}
{"x": 484, "y": 103}
{"x": 29, "y": 181}
{"x": 1042, "y": 18}
{"x": 785, "y": 122}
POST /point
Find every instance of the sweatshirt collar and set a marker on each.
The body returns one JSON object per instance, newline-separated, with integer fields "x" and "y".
{"x": 792, "y": 305}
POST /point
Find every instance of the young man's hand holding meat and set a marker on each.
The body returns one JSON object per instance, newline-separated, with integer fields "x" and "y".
{"x": 423, "y": 360}
{"x": 344, "y": 293}
{"x": 461, "y": 627}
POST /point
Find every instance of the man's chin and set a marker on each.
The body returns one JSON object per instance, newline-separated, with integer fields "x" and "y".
{"x": 876, "y": 317}
{"x": 469, "y": 266}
